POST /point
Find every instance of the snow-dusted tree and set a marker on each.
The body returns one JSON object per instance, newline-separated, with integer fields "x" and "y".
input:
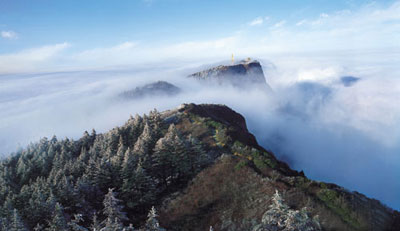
{"x": 145, "y": 141}
{"x": 117, "y": 159}
{"x": 156, "y": 122}
{"x": 280, "y": 217}
{"x": 164, "y": 161}
{"x": 74, "y": 223}
{"x": 129, "y": 163}
{"x": 113, "y": 212}
{"x": 129, "y": 228}
{"x": 138, "y": 188}
{"x": 199, "y": 157}
{"x": 152, "y": 222}
{"x": 38, "y": 227}
{"x": 95, "y": 226}
{"x": 16, "y": 222}
{"x": 58, "y": 222}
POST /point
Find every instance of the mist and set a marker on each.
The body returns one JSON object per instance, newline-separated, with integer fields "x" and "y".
{"x": 344, "y": 134}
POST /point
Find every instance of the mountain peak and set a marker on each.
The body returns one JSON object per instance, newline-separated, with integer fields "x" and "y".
{"x": 244, "y": 73}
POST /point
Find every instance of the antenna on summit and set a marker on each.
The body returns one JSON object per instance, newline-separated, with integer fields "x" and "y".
{"x": 232, "y": 59}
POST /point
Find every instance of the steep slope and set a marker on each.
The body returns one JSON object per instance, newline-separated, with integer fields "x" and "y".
{"x": 197, "y": 164}
{"x": 246, "y": 73}
{"x": 235, "y": 192}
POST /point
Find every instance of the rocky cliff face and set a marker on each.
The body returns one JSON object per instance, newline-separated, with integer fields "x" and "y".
{"x": 247, "y": 73}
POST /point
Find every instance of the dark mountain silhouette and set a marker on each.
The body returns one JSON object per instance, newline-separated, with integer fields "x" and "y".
{"x": 348, "y": 81}
{"x": 159, "y": 88}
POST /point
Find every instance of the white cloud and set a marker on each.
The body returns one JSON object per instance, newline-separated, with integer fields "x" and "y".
{"x": 302, "y": 22}
{"x": 120, "y": 51}
{"x": 9, "y": 34}
{"x": 31, "y": 60}
{"x": 279, "y": 24}
{"x": 257, "y": 21}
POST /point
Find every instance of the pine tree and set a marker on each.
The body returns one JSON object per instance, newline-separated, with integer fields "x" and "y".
{"x": 38, "y": 227}
{"x": 182, "y": 157}
{"x": 129, "y": 163}
{"x": 95, "y": 226}
{"x": 58, "y": 222}
{"x": 152, "y": 222}
{"x": 145, "y": 141}
{"x": 198, "y": 157}
{"x": 281, "y": 218}
{"x": 16, "y": 222}
{"x": 164, "y": 161}
{"x": 74, "y": 223}
{"x": 113, "y": 212}
{"x": 138, "y": 188}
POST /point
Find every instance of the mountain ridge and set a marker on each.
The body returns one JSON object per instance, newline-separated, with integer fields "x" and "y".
{"x": 198, "y": 164}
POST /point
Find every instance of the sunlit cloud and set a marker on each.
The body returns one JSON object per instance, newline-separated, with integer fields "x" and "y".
{"x": 279, "y": 24}
{"x": 9, "y": 34}
{"x": 31, "y": 59}
{"x": 258, "y": 21}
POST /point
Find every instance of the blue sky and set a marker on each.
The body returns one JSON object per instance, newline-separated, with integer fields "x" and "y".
{"x": 92, "y": 23}
{"x": 75, "y": 28}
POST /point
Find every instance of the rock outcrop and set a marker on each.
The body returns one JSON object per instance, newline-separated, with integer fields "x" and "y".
{"x": 246, "y": 73}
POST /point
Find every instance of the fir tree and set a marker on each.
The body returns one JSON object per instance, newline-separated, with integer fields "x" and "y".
{"x": 58, "y": 222}
{"x": 113, "y": 212}
{"x": 16, "y": 222}
{"x": 145, "y": 141}
{"x": 152, "y": 222}
{"x": 74, "y": 223}
{"x": 138, "y": 188}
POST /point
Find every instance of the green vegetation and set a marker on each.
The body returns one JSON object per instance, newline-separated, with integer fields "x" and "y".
{"x": 221, "y": 137}
{"x": 333, "y": 201}
{"x": 240, "y": 165}
{"x": 261, "y": 160}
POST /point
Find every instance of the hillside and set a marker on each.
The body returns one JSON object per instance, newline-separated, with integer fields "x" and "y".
{"x": 197, "y": 164}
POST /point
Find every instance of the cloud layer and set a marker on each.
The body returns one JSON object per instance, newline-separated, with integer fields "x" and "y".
{"x": 336, "y": 133}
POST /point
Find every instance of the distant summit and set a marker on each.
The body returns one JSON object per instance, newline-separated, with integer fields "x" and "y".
{"x": 349, "y": 81}
{"x": 159, "y": 88}
{"x": 242, "y": 74}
